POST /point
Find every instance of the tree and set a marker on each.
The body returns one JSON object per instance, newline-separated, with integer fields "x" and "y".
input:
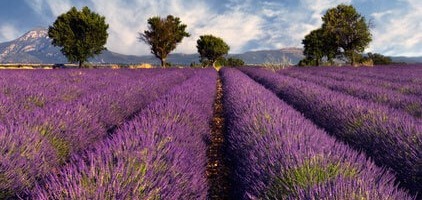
{"x": 163, "y": 35}
{"x": 348, "y": 29}
{"x": 313, "y": 47}
{"x": 379, "y": 59}
{"x": 235, "y": 62}
{"x": 210, "y": 48}
{"x": 318, "y": 46}
{"x": 81, "y": 34}
{"x": 230, "y": 62}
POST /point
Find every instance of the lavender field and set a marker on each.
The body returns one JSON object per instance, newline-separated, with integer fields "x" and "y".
{"x": 240, "y": 133}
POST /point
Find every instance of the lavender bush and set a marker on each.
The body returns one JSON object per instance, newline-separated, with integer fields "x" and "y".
{"x": 275, "y": 153}
{"x": 39, "y": 140}
{"x": 403, "y": 79}
{"x": 410, "y": 104}
{"x": 159, "y": 154}
{"x": 390, "y": 138}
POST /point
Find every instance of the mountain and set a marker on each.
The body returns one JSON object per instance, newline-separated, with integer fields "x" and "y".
{"x": 293, "y": 55}
{"x": 35, "y": 47}
{"x": 409, "y": 60}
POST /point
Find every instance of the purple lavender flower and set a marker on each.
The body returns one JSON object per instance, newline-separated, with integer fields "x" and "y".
{"x": 275, "y": 153}
{"x": 392, "y": 139}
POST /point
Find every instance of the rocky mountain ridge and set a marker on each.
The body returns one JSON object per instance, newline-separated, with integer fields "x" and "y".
{"x": 35, "y": 47}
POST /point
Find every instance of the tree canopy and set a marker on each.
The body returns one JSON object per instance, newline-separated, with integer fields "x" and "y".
{"x": 379, "y": 59}
{"x": 80, "y": 34}
{"x": 211, "y": 48}
{"x": 163, "y": 35}
{"x": 348, "y": 29}
{"x": 314, "y": 47}
{"x": 344, "y": 34}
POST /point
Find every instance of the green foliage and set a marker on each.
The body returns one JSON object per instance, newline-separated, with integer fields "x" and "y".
{"x": 37, "y": 101}
{"x": 343, "y": 34}
{"x": 317, "y": 45}
{"x": 313, "y": 47}
{"x": 310, "y": 173}
{"x": 229, "y": 62}
{"x": 307, "y": 62}
{"x": 163, "y": 35}
{"x": 80, "y": 34}
{"x": 211, "y": 48}
{"x": 348, "y": 29}
{"x": 235, "y": 62}
{"x": 379, "y": 59}
{"x": 59, "y": 144}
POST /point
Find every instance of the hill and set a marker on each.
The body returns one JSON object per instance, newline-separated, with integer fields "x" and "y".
{"x": 35, "y": 47}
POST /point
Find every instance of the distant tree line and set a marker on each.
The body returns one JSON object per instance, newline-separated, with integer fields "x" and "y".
{"x": 343, "y": 35}
{"x": 83, "y": 34}
{"x": 378, "y": 59}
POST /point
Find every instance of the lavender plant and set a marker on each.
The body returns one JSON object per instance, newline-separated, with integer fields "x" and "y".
{"x": 390, "y": 138}
{"x": 400, "y": 83}
{"x": 159, "y": 154}
{"x": 275, "y": 153}
{"x": 62, "y": 128}
{"x": 394, "y": 99}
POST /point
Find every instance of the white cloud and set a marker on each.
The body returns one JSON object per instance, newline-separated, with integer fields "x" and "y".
{"x": 53, "y": 7}
{"x": 127, "y": 20}
{"x": 244, "y": 25}
{"x": 286, "y": 26}
{"x": 59, "y": 7}
{"x": 235, "y": 28}
{"x": 8, "y": 32}
{"x": 36, "y": 5}
{"x": 398, "y": 31}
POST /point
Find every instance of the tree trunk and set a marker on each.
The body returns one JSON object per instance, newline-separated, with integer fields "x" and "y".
{"x": 163, "y": 62}
{"x": 352, "y": 60}
{"x": 80, "y": 64}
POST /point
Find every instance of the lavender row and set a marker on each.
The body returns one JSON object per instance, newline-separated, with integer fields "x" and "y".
{"x": 406, "y": 73}
{"x": 358, "y": 76}
{"x": 388, "y": 137}
{"x": 159, "y": 154}
{"x": 406, "y": 88}
{"x": 43, "y": 87}
{"x": 275, "y": 153}
{"x": 33, "y": 146}
{"x": 409, "y": 104}
{"x": 26, "y": 92}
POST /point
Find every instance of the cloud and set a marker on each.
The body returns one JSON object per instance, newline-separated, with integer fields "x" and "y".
{"x": 398, "y": 31}
{"x": 235, "y": 27}
{"x": 286, "y": 25}
{"x": 48, "y": 9}
{"x": 127, "y": 20}
{"x": 244, "y": 24}
{"x": 8, "y": 32}
{"x": 318, "y": 7}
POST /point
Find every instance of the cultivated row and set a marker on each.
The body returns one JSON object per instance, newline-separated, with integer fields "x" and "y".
{"x": 394, "y": 99}
{"x": 390, "y": 138}
{"x": 358, "y": 75}
{"x": 159, "y": 154}
{"x": 275, "y": 153}
{"x": 36, "y": 142}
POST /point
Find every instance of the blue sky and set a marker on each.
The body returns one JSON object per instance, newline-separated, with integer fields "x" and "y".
{"x": 244, "y": 24}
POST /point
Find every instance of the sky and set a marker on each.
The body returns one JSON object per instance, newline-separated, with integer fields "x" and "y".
{"x": 246, "y": 25}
